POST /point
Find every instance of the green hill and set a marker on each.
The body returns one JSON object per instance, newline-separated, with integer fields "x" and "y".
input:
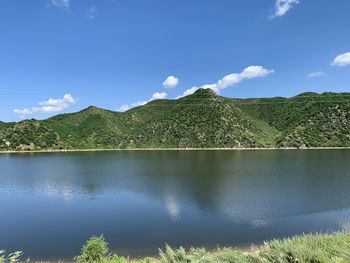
{"x": 200, "y": 120}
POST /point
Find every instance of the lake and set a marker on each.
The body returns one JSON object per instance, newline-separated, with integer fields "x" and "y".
{"x": 141, "y": 200}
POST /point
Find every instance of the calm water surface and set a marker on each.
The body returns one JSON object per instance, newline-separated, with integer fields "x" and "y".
{"x": 51, "y": 203}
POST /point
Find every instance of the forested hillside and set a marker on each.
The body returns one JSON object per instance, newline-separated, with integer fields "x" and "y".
{"x": 200, "y": 120}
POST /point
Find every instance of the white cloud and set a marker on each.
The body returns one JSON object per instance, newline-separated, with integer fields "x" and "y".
{"x": 124, "y": 107}
{"x": 61, "y": 3}
{"x": 255, "y": 72}
{"x": 171, "y": 82}
{"x": 155, "y": 96}
{"x": 158, "y": 96}
{"x": 188, "y": 92}
{"x": 93, "y": 12}
{"x": 49, "y": 106}
{"x": 283, "y": 6}
{"x": 58, "y": 104}
{"x": 317, "y": 74}
{"x": 342, "y": 60}
{"x": 23, "y": 112}
{"x": 232, "y": 79}
{"x": 138, "y": 103}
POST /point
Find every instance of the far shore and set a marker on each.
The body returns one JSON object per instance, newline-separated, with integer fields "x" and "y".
{"x": 174, "y": 149}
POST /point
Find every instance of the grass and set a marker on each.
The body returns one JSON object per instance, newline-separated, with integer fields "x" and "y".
{"x": 320, "y": 248}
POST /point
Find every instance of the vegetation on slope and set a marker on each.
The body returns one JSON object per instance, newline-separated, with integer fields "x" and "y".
{"x": 89, "y": 128}
{"x": 200, "y": 120}
{"x": 306, "y": 120}
{"x": 332, "y": 248}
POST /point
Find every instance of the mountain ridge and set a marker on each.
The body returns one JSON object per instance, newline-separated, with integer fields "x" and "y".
{"x": 200, "y": 120}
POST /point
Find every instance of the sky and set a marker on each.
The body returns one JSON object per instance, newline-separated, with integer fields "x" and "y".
{"x": 61, "y": 56}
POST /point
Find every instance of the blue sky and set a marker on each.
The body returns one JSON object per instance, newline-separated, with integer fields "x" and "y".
{"x": 64, "y": 55}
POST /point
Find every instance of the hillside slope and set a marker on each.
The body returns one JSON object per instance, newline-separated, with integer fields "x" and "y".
{"x": 200, "y": 120}
{"x": 306, "y": 120}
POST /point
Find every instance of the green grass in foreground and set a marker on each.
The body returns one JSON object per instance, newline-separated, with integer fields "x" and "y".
{"x": 331, "y": 248}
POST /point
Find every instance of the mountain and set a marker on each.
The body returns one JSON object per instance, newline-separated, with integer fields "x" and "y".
{"x": 200, "y": 120}
{"x": 306, "y": 120}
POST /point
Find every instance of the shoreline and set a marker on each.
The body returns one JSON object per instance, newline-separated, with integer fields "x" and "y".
{"x": 174, "y": 149}
{"x": 295, "y": 247}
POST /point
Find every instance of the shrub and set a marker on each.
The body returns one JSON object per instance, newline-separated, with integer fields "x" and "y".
{"x": 170, "y": 255}
{"x": 94, "y": 251}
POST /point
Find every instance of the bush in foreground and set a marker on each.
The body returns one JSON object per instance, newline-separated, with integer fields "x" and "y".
{"x": 95, "y": 250}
